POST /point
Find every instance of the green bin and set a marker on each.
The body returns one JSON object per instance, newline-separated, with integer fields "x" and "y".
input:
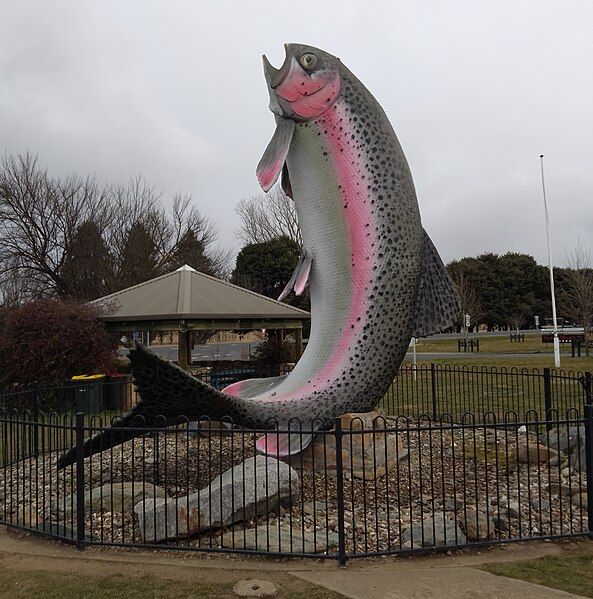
{"x": 89, "y": 391}
{"x": 116, "y": 387}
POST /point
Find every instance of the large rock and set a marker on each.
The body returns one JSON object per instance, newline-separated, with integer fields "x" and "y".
{"x": 535, "y": 453}
{"x": 250, "y": 489}
{"x": 280, "y": 539}
{"x": 477, "y": 526}
{"x": 578, "y": 458}
{"x": 436, "y": 530}
{"x": 486, "y": 451}
{"x": 110, "y": 497}
{"x": 564, "y": 439}
{"x": 366, "y": 455}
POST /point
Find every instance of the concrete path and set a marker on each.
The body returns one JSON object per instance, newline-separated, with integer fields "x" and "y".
{"x": 442, "y": 576}
{"x": 422, "y": 583}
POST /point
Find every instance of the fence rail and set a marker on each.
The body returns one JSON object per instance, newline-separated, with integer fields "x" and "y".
{"x": 428, "y": 389}
{"x": 449, "y": 465}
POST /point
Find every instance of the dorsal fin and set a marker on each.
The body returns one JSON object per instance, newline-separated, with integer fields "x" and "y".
{"x": 438, "y": 301}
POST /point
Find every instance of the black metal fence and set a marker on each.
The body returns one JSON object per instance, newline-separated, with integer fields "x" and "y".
{"x": 426, "y": 390}
{"x": 421, "y": 479}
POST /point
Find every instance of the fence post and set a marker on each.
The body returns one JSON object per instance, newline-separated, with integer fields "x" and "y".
{"x": 340, "y": 492}
{"x": 433, "y": 385}
{"x": 35, "y": 415}
{"x": 79, "y": 480}
{"x": 548, "y": 397}
{"x": 589, "y": 461}
{"x": 588, "y": 384}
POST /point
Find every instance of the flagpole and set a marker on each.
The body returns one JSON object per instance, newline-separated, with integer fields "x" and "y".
{"x": 550, "y": 266}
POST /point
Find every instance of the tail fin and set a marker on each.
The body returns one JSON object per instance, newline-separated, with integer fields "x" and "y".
{"x": 168, "y": 395}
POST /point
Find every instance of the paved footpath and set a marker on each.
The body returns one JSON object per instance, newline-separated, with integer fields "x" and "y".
{"x": 446, "y": 577}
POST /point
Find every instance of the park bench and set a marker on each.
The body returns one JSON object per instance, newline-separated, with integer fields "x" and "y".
{"x": 577, "y": 345}
{"x": 470, "y": 345}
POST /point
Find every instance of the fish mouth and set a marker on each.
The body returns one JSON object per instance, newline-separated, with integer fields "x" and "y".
{"x": 275, "y": 76}
{"x": 297, "y": 94}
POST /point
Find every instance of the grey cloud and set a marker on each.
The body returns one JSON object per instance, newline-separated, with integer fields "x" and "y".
{"x": 174, "y": 91}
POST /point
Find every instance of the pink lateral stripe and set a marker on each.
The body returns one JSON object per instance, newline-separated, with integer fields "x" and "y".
{"x": 349, "y": 172}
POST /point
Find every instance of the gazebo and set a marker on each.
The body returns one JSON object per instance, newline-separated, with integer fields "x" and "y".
{"x": 186, "y": 300}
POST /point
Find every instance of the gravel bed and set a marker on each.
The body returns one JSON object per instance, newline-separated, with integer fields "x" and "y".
{"x": 455, "y": 472}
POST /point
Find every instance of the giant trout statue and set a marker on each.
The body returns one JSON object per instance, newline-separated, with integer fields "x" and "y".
{"x": 374, "y": 276}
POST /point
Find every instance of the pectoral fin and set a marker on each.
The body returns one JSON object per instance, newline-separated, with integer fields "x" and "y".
{"x": 299, "y": 278}
{"x": 285, "y": 182}
{"x": 438, "y": 301}
{"x": 271, "y": 163}
{"x": 303, "y": 276}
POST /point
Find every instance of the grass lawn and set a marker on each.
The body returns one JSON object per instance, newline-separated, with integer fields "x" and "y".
{"x": 461, "y": 390}
{"x": 531, "y": 353}
{"x": 496, "y": 345}
{"x": 55, "y": 585}
{"x": 573, "y": 574}
{"x": 528, "y": 361}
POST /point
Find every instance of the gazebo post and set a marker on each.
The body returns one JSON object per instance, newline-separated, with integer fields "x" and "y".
{"x": 183, "y": 349}
{"x": 298, "y": 342}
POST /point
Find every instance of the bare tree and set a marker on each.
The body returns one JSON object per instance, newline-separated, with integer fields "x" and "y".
{"x": 268, "y": 216}
{"x": 39, "y": 216}
{"x": 12, "y": 289}
{"x": 470, "y": 300}
{"x": 578, "y": 288}
{"x": 43, "y": 222}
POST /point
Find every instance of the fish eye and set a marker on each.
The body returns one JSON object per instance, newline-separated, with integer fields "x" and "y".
{"x": 308, "y": 61}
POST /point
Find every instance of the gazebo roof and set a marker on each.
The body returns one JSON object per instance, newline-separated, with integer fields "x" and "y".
{"x": 186, "y": 294}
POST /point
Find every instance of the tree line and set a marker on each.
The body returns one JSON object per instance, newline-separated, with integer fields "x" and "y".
{"x": 73, "y": 238}
{"x": 497, "y": 291}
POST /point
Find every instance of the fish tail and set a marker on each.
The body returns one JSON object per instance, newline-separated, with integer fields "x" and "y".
{"x": 168, "y": 396}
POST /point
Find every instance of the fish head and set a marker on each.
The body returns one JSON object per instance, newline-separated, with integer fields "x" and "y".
{"x": 306, "y": 85}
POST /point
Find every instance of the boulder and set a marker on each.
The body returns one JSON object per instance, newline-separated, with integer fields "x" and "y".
{"x": 315, "y": 508}
{"x": 251, "y": 489}
{"x": 455, "y": 504}
{"x": 280, "y": 539}
{"x": 366, "y": 455}
{"x": 564, "y": 439}
{"x": 578, "y": 459}
{"x": 435, "y": 530}
{"x": 535, "y": 453}
{"x": 501, "y": 523}
{"x": 541, "y": 505}
{"x": 477, "y": 526}
{"x": 511, "y": 508}
{"x": 110, "y": 497}
{"x": 486, "y": 451}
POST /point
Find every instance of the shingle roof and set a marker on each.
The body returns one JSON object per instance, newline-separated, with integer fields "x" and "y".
{"x": 192, "y": 295}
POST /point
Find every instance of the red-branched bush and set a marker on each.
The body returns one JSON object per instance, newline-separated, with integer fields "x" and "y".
{"x": 45, "y": 342}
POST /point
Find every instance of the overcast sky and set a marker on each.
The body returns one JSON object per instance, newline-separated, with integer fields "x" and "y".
{"x": 174, "y": 91}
